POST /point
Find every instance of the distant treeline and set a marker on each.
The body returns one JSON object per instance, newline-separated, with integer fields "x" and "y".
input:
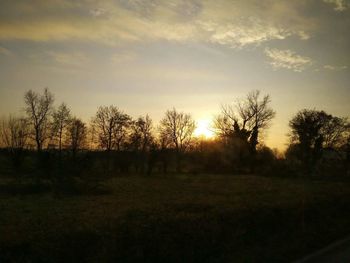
{"x": 51, "y": 142}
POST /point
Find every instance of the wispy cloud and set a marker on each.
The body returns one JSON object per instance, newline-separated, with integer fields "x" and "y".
{"x": 334, "y": 68}
{"x": 339, "y": 5}
{"x": 303, "y": 35}
{"x": 96, "y": 12}
{"x": 287, "y": 59}
{"x": 251, "y": 31}
{"x": 220, "y": 22}
{"x": 76, "y": 59}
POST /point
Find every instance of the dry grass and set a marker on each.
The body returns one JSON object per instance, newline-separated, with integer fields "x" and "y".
{"x": 210, "y": 218}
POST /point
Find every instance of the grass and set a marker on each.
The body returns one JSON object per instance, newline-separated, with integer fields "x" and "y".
{"x": 178, "y": 218}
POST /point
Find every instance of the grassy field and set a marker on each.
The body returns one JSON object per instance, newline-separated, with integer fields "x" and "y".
{"x": 178, "y": 218}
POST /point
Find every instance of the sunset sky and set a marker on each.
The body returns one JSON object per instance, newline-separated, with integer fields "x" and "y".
{"x": 146, "y": 56}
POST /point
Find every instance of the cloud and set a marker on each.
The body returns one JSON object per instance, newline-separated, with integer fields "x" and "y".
{"x": 223, "y": 22}
{"x": 339, "y": 5}
{"x": 334, "y": 68}
{"x": 121, "y": 26}
{"x": 98, "y": 12}
{"x": 5, "y": 51}
{"x": 75, "y": 59}
{"x": 140, "y": 7}
{"x": 239, "y": 24}
{"x": 246, "y": 32}
{"x": 287, "y": 59}
{"x": 303, "y": 35}
{"x": 180, "y": 9}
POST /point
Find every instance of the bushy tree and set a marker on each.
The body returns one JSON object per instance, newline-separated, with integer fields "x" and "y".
{"x": 312, "y": 131}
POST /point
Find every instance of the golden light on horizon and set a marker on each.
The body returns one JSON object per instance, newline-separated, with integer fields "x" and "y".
{"x": 204, "y": 129}
{"x": 149, "y": 56}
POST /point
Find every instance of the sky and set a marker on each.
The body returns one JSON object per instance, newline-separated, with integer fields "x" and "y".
{"x": 147, "y": 56}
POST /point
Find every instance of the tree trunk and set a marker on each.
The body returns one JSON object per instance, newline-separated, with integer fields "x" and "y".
{"x": 60, "y": 142}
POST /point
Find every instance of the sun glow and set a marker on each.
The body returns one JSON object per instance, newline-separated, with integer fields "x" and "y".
{"x": 204, "y": 129}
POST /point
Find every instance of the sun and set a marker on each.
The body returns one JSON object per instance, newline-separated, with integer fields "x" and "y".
{"x": 204, "y": 129}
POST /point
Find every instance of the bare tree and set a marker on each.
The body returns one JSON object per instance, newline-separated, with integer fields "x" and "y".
{"x": 141, "y": 141}
{"x": 111, "y": 125}
{"x": 141, "y": 134}
{"x": 245, "y": 118}
{"x": 334, "y": 131}
{"x": 177, "y": 128}
{"x": 61, "y": 119}
{"x": 261, "y": 114}
{"x": 38, "y": 108}
{"x": 259, "y": 109}
{"x": 77, "y": 132}
{"x": 14, "y": 136}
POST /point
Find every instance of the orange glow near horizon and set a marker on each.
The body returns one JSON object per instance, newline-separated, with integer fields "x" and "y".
{"x": 146, "y": 57}
{"x": 204, "y": 129}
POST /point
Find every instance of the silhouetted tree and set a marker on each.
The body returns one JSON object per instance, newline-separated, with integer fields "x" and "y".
{"x": 164, "y": 144}
{"x": 239, "y": 125}
{"x": 312, "y": 131}
{"x": 38, "y": 108}
{"x": 61, "y": 119}
{"x": 177, "y": 128}
{"x": 141, "y": 133}
{"x": 262, "y": 115}
{"x": 247, "y": 117}
{"x": 334, "y": 131}
{"x": 76, "y": 134}
{"x": 111, "y": 125}
{"x": 14, "y": 134}
{"x": 141, "y": 139}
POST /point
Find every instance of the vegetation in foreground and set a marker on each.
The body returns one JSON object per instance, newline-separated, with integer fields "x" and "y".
{"x": 175, "y": 218}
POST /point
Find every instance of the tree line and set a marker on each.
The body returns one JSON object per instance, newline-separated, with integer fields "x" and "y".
{"x": 137, "y": 144}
